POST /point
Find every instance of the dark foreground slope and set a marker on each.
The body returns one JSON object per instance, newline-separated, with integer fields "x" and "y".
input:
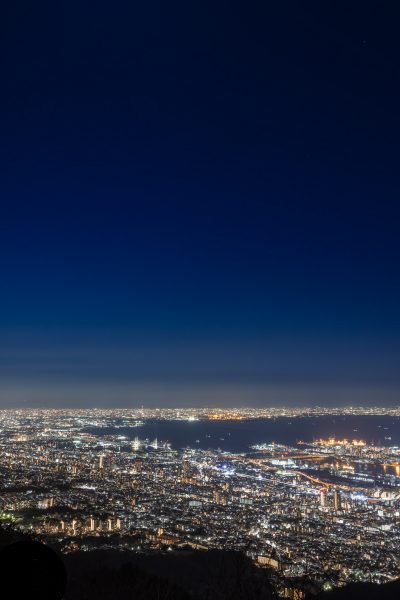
{"x": 364, "y": 591}
{"x": 184, "y": 575}
{"x": 26, "y": 571}
{"x": 216, "y": 575}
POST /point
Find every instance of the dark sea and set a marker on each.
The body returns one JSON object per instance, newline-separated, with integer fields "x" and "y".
{"x": 238, "y": 436}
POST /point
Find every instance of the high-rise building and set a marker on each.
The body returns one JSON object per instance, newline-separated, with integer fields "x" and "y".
{"x": 337, "y": 501}
{"x": 323, "y": 498}
{"x": 137, "y": 467}
{"x": 185, "y": 470}
{"x": 217, "y": 496}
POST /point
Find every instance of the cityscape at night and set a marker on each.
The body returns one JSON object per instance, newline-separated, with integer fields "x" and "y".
{"x": 325, "y": 509}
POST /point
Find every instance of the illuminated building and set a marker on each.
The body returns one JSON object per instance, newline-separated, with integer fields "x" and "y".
{"x": 337, "y": 501}
{"x": 185, "y": 470}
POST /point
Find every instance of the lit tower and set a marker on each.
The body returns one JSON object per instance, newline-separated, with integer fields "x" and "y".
{"x": 323, "y": 498}
{"x": 337, "y": 501}
{"x": 185, "y": 470}
{"x": 136, "y": 444}
{"x": 217, "y": 496}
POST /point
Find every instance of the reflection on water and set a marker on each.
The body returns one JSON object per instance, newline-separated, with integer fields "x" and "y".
{"x": 334, "y": 469}
{"x": 238, "y": 436}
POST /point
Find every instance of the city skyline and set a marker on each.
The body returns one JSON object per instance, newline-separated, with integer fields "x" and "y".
{"x": 322, "y": 510}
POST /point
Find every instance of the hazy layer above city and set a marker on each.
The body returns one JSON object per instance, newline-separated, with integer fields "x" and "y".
{"x": 74, "y": 371}
{"x": 169, "y": 394}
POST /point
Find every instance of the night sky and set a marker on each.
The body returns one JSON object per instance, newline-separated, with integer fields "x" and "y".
{"x": 200, "y": 203}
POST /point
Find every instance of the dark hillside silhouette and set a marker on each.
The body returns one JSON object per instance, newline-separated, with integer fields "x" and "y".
{"x": 123, "y": 575}
{"x": 210, "y": 575}
{"x": 363, "y": 591}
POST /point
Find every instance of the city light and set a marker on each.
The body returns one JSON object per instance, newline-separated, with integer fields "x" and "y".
{"x": 319, "y": 506}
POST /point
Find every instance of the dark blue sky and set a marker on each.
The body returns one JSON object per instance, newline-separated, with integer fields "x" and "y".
{"x": 199, "y": 203}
